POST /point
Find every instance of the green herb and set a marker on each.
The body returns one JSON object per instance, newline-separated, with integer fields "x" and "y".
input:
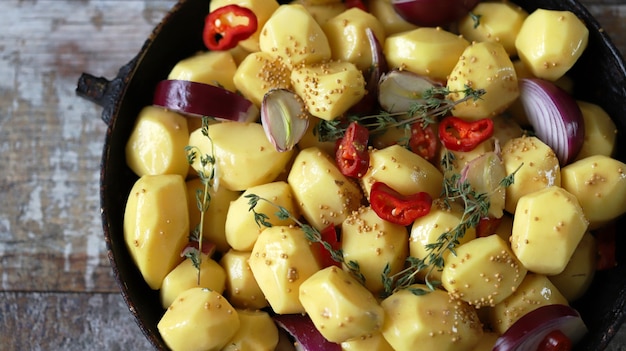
{"x": 475, "y": 18}
{"x": 313, "y": 235}
{"x": 476, "y": 206}
{"x": 432, "y": 105}
{"x": 207, "y": 175}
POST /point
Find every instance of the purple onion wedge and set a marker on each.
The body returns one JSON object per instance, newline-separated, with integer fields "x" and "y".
{"x": 200, "y": 100}
{"x": 302, "y": 330}
{"x": 284, "y": 117}
{"x": 555, "y": 117}
{"x": 379, "y": 66}
{"x": 399, "y": 90}
{"x": 432, "y": 13}
{"x": 530, "y": 331}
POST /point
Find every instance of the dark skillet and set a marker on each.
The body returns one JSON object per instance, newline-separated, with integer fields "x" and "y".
{"x": 600, "y": 78}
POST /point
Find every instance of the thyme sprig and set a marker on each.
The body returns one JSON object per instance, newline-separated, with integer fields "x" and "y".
{"x": 207, "y": 173}
{"x": 312, "y": 234}
{"x": 475, "y": 206}
{"x": 426, "y": 110}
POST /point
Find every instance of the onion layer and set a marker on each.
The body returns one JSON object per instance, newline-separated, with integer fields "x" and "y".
{"x": 284, "y": 117}
{"x": 306, "y": 336}
{"x": 399, "y": 90}
{"x": 555, "y": 117}
{"x": 200, "y": 100}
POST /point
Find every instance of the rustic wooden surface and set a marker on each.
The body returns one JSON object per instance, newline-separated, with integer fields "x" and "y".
{"x": 57, "y": 291}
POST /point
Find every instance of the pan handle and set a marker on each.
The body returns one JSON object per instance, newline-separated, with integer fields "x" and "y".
{"x": 104, "y": 92}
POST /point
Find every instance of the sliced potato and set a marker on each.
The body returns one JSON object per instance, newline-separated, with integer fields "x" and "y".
{"x": 210, "y": 67}
{"x": 185, "y": 276}
{"x": 242, "y": 290}
{"x": 258, "y": 73}
{"x": 388, "y": 17}
{"x": 580, "y": 270}
{"x": 600, "y": 131}
{"x": 257, "y": 332}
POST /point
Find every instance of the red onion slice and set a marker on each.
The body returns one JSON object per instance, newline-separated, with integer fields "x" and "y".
{"x": 379, "y": 66}
{"x": 555, "y": 117}
{"x": 399, "y": 90}
{"x": 284, "y": 117}
{"x": 306, "y": 336}
{"x": 528, "y": 333}
{"x": 200, "y": 100}
{"x": 432, "y": 13}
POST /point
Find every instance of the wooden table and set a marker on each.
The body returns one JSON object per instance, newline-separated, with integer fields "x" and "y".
{"x": 57, "y": 291}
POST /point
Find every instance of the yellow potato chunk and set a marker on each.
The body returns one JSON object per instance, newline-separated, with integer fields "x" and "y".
{"x": 157, "y": 143}
{"x": 241, "y": 227}
{"x": 388, "y": 17}
{"x": 156, "y": 225}
{"x": 242, "y": 290}
{"x": 599, "y": 184}
{"x": 535, "y": 291}
{"x": 328, "y": 89}
{"x": 580, "y": 270}
{"x": 281, "y": 260}
{"x": 433, "y": 321}
{"x": 263, "y": 10}
{"x": 210, "y": 67}
{"x": 427, "y": 230}
{"x": 371, "y": 342}
{"x": 258, "y": 73}
{"x": 547, "y": 227}
{"x": 293, "y": 34}
{"x": 185, "y": 276}
{"x": 483, "y": 272}
{"x": 550, "y": 42}
{"x": 257, "y": 332}
{"x": 536, "y": 164}
{"x": 483, "y": 65}
{"x": 323, "y": 194}
{"x": 373, "y": 243}
{"x": 404, "y": 171}
{"x": 199, "y": 309}
{"x": 347, "y": 36}
{"x": 339, "y": 306}
{"x": 214, "y": 216}
{"x": 432, "y": 52}
{"x": 600, "y": 131}
{"x": 498, "y": 22}
{"x": 238, "y": 149}
{"x": 322, "y": 12}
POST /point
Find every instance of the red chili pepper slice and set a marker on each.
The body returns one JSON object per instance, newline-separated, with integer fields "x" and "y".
{"x": 329, "y": 235}
{"x": 351, "y": 153}
{"x": 556, "y": 340}
{"x": 487, "y": 226}
{"x": 226, "y": 26}
{"x": 423, "y": 141}
{"x": 400, "y": 209}
{"x": 457, "y": 134}
{"x": 606, "y": 246}
{"x": 355, "y": 3}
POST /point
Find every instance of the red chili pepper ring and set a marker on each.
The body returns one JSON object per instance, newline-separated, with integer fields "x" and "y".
{"x": 226, "y": 26}
{"x": 457, "y": 134}
{"x": 400, "y": 209}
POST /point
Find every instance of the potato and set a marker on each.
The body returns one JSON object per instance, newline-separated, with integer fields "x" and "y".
{"x": 600, "y": 131}
{"x": 258, "y": 73}
{"x": 242, "y": 290}
{"x": 292, "y": 34}
{"x": 339, "y": 306}
{"x": 322, "y": 12}
{"x": 373, "y": 243}
{"x": 404, "y": 171}
{"x": 157, "y": 143}
{"x": 432, "y": 52}
{"x": 209, "y": 67}
{"x": 371, "y": 342}
{"x": 547, "y": 226}
{"x": 348, "y": 39}
{"x": 433, "y": 321}
{"x": 462, "y": 158}
{"x": 536, "y": 164}
{"x": 281, "y": 260}
{"x": 498, "y": 22}
{"x": 240, "y": 148}
{"x": 428, "y": 229}
{"x": 323, "y": 195}
{"x": 485, "y": 174}
{"x": 195, "y": 310}
{"x": 599, "y": 184}
{"x": 550, "y": 42}
{"x": 506, "y": 128}
{"x": 388, "y": 17}
{"x": 263, "y": 9}
{"x": 156, "y": 225}
{"x": 257, "y": 332}
{"x": 483, "y": 272}
{"x": 185, "y": 276}
{"x": 310, "y": 139}
{"x": 328, "y": 89}
{"x": 241, "y": 227}
{"x": 580, "y": 270}
{"x": 214, "y": 216}
{"x": 484, "y": 65}
{"x": 535, "y": 291}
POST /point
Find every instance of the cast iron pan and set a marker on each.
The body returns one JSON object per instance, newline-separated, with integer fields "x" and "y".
{"x": 600, "y": 78}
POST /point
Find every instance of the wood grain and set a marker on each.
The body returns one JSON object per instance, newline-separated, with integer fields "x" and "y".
{"x": 56, "y": 287}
